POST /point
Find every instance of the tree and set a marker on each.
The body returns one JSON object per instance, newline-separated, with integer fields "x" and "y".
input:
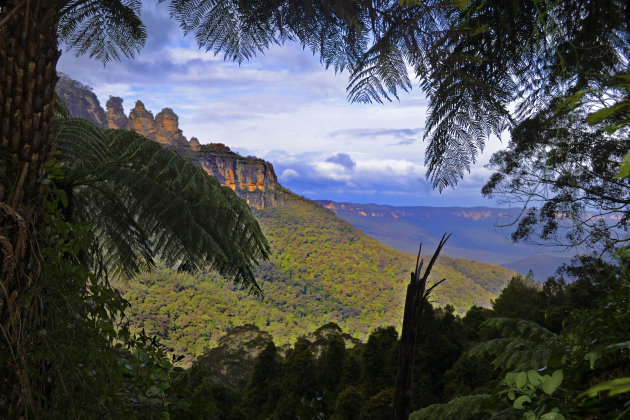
{"x": 263, "y": 390}
{"x": 140, "y": 201}
{"x": 143, "y": 200}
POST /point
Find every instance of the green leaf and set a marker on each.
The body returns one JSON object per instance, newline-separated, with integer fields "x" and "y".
{"x": 557, "y": 378}
{"x": 548, "y": 385}
{"x": 510, "y": 378}
{"x": 624, "y": 168}
{"x": 518, "y": 403}
{"x": 552, "y": 416}
{"x": 592, "y": 357}
{"x": 521, "y": 380}
{"x": 614, "y": 387}
{"x": 534, "y": 378}
{"x": 529, "y": 415}
{"x": 599, "y": 116}
{"x": 571, "y": 102}
{"x": 511, "y": 395}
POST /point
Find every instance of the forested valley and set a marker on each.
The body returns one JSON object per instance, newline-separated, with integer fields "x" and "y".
{"x": 93, "y": 220}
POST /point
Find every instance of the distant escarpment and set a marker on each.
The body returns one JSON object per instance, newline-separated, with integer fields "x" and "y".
{"x": 254, "y": 180}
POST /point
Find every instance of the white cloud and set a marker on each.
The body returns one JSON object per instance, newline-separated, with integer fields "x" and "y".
{"x": 288, "y": 174}
{"x": 284, "y": 107}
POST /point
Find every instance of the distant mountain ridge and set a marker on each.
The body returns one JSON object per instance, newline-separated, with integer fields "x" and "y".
{"x": 479, "y": 233}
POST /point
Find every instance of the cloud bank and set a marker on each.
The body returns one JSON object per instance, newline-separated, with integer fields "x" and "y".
{"x": 282, "y": 106}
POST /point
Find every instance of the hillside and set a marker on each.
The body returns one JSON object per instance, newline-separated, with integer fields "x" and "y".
{"x": 322, "y": 269}
{"x": 479, "y": 233}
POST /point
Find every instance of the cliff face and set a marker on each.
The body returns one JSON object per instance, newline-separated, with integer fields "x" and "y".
{"x": 80, "y": 100}
{"x": 115, "y": 116}
{"x": 254, "y": 180}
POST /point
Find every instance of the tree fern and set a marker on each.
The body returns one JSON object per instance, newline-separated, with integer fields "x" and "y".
{"x": 517, "y": 344}
{"x": 470, "y": 407}
{"x": 103, "y": 29}
{"x": 144, "y": 201}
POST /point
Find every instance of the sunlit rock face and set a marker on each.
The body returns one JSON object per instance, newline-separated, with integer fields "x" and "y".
{"x": 252, "y": 179}
{"x": 167, "y": 129}
{"x": 194, "y": 144}
{"x": 115, "y": 115}
{"x": 141, "y": 121}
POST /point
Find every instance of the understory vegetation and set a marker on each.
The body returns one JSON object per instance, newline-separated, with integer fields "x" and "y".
{"x": 553, "y": 351}
{"x": 82, "y": 207}
{"x": 320, "y": 270}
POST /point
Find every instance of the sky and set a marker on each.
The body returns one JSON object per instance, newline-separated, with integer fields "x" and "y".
{"x": 285, "y": 107}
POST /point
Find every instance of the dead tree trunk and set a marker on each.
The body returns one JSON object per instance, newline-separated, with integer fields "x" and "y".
{"x": 417, "y": 293}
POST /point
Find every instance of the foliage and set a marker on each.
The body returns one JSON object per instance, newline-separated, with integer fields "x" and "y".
{"x": 144, "y": 200}
{"x": 320, "y": 270}
{"x": 581, "y": 372}
{"x": 77, "y": 338}
{"x": 81, "y": 27}
{"x": 326, "y": 374}
{"x": 563, "y": 175}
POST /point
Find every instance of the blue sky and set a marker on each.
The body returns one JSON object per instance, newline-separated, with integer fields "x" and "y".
{"x": 284, "y": 107}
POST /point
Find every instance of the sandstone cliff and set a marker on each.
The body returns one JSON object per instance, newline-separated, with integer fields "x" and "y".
{"x": 115, "y": 116}
{"x": 80, "y": 100}
{"x": 254, "y": 180}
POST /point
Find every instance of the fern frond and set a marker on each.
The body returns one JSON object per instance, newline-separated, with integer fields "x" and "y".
{"x": 380, "y": 74}
{"x": 519, "y": 344}
{"x": 144, "y": 201}
{"x": 103, "y": 29}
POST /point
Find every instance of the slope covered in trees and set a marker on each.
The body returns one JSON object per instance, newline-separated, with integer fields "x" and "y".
{"x": 321, "y": 269}
{"x": 533, "y": 355}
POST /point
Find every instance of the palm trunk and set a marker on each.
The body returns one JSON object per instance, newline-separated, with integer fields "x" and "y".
{"x": 28, "y": 57}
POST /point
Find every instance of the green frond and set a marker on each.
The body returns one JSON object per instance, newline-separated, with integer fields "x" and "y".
{"x": 379, "y": 74}
{"x": 470, "y": 407}
{"x": 144, "y": 200}
{"x": 519, "y": 344}
{"x": 103, "y": 29}
{"x": 61, "y": 109}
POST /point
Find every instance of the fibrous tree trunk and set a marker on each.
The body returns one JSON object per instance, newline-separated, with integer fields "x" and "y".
{"x": 417, "y": 296}
{"x": 28, "y": 57}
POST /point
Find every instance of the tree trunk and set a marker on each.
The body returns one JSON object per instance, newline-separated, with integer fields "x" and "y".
{"x": 28, "y": 57}
{"x": 417, "y": 297}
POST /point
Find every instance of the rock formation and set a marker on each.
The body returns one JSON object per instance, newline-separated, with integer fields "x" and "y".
{"x": 194, "y": 144}
{"x": 167, "y": 129}
{"x": 115, "y": 116}
{"x": 254, "y": 180}
{"x": 80, "y": 100}
{"x": 141, "y": 121}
